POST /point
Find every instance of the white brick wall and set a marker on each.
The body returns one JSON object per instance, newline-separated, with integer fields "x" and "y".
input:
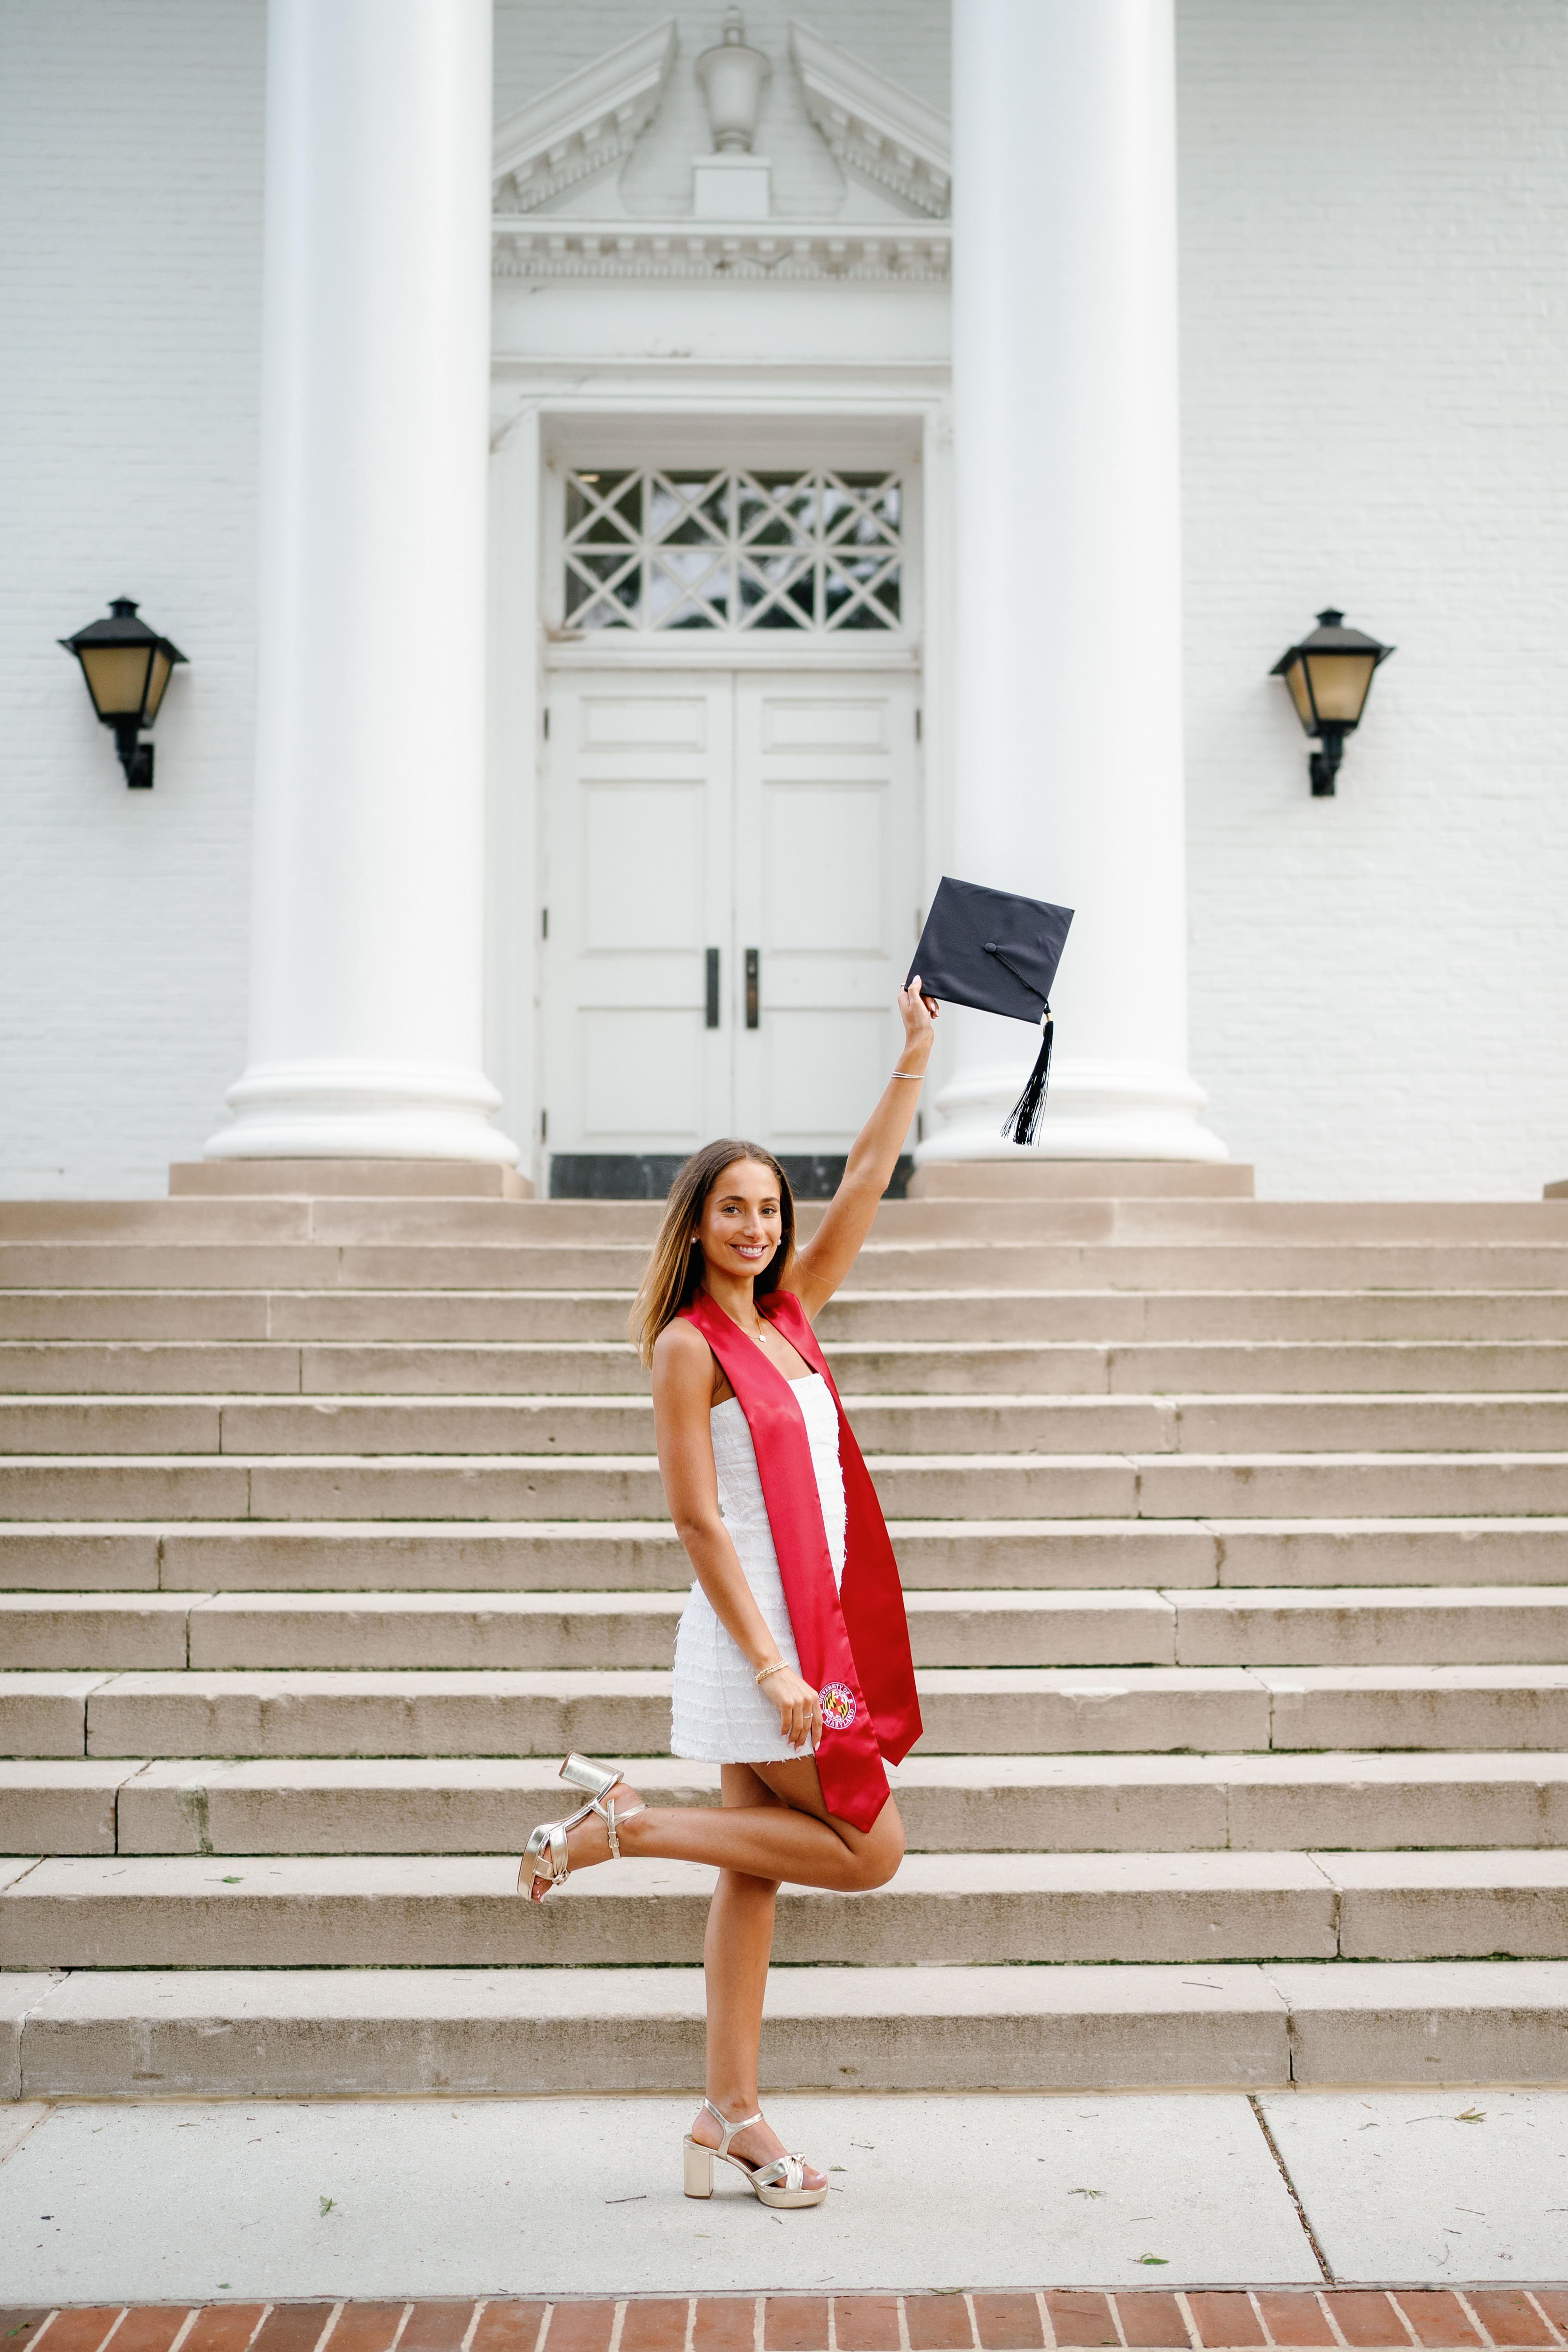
{"x": 1374, "y": 251}
{"x": 130, "y": 181}
{"x": 1374, "y": 259}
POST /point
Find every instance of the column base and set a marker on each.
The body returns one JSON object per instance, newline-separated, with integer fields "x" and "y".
{"x": 1096, "y": 1110}
{"x": 361, "y": 1110}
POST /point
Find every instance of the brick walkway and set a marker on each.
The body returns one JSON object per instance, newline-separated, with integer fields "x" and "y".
{"x": 1232, "y": 2320}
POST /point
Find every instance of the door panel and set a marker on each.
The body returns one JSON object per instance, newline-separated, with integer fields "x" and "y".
{"x": 638, "y": 861}
{"x": 827, "y": 864}
{"x": 776, "y": 811}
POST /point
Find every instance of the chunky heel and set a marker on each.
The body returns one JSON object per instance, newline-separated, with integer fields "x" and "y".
{"x": 781, "y": 2182}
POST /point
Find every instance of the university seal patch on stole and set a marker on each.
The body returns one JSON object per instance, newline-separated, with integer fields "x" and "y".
{"x": 837, "y": 1705}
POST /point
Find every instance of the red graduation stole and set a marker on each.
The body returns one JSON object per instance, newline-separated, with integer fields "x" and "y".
{"x": 854, "y": 1643}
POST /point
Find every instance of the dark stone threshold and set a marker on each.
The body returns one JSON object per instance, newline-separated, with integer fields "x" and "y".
{"x": 649, "y": 1175}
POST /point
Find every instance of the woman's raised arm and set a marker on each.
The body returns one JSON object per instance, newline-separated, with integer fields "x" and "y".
{"x": 821, "y": 1265}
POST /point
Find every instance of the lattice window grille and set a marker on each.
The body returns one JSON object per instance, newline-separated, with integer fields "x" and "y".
{"x": 652, "y": 549}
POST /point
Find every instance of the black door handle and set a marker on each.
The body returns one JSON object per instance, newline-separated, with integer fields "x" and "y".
{"x": 752, "y": 1014}
{"x": 713, "y": 988}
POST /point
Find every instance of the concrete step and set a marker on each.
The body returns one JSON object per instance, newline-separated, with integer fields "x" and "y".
{"x": 646, "y": 1555}
{"x": 342, "y": 2033}
{"x": 938, "y": 1911}
{"x": 1012, "y": 1316}
{"x": 1201, "y": 1266}
{"x": 577, "y": 1632}
{"x": 973, "y": 1804}
{"x": 625, "y": 1713}
{"x": 883, "y": 1425}
{"x": 992, "y": 1711}
{"x": 965, "y": 1487}
{"x": 424, "y": 1368}
{"x": 341, "y": 1219}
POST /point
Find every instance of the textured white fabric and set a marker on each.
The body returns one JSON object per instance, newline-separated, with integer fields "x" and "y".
{"x": 718, "y": 1713}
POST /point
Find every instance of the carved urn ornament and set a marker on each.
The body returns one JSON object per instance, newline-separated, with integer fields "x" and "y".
{"x": 731, "y": 76}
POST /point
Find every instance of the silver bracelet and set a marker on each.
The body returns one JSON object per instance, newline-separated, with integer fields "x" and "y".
{"x": 918, "y": 1075}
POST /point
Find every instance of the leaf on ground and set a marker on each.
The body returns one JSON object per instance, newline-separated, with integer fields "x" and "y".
{"x": 233, "y": 1881}
{"x": 327, "y": 2205}
{"x": 838, "y": 2167}
{"x": 1082, "y": 2192}
{"x": 1155, "y": 2262}
{"x": 1471, "y": 2116}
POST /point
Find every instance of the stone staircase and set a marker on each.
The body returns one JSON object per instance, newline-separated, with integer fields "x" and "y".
{"x": 1234, "y": 1536}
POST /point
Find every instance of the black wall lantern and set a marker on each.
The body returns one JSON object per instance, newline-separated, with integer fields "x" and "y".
{"x": 126, "y": 666}
{"x": 1330, "y": 676}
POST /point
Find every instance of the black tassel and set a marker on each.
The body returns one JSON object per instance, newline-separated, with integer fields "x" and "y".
{"x": 1022, "y": 1123}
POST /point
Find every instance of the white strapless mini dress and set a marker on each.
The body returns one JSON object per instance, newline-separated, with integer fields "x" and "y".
{"x": 718, "y": 1713}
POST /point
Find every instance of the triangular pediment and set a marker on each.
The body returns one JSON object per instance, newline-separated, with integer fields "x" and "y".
{"x": 585, "y": 126}
{"x": 878, "y": 131}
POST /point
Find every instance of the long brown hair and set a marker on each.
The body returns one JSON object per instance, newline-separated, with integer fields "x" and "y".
{"x": 674, "y": 1273}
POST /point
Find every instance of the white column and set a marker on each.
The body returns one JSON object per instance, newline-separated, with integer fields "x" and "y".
{"x": 368, "y": 899}
{"x": 1068, "y": 779}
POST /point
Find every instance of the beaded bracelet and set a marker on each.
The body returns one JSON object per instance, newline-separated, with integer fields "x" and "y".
{"x": 779, "y": 1666}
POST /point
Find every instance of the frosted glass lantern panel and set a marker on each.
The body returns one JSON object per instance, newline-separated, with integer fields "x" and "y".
{"x": 1339, "y": 683}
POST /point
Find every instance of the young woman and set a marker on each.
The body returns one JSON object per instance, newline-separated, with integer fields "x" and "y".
{"x": 792, "y": 1663}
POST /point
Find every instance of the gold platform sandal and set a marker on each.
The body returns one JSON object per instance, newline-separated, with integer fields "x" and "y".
{"x": 544, "y": 1863}
{"x": 780, "y": 2182}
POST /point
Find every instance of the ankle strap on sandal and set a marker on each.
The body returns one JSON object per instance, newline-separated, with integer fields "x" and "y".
{"x": 729, "y": 2129}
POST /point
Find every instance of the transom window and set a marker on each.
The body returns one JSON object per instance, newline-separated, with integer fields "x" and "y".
{"x": 651, "y": 550}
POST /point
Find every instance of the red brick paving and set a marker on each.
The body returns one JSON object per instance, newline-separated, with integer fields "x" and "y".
{"x": 1081, "y": 2318}
{"x": 1367, "y": 2317}
{"x": 796, "y": 2323}
{"x": 437, "y": 2327}
{"x": 1510, "y": 2319}
{"x": 867, "y": 2323}
{"x": 298, "y": 2327}
{"x": 724, "y": 2323}
{"x": 656, "y": 2325}
{"x": 363, "y": 2327}
{"x": 83, "y": 2330}
{"x": 1226, "y": 2318}
{"x": 1152, "y": 2319}
{"x": 938, "y": 2323}
{"x": 224, "y": 2327}
{"x": 1293, "y": 2317}
{"x": 580, "y": 2326}
{"x": 1437, "y": 2319}
{"x": 506, "y": 2327}
{"x": 1008, "y": 2323}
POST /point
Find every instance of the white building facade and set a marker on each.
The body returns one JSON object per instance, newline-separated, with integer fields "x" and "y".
{"x": 640, "y": 505}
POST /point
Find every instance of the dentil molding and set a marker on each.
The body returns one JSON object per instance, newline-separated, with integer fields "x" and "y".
{"x": 562, "y": 248}
{"x": 874, "y": 126}
{"x": 583, "y": 125}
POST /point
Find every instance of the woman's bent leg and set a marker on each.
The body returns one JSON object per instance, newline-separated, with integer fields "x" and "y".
{"x": 795, "y": 1839}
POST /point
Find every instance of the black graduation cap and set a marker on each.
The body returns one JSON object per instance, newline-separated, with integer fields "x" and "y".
{"x": 998, "y": 952}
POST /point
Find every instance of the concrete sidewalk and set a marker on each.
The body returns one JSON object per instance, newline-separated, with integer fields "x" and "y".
{"x": 561, "y": 2197}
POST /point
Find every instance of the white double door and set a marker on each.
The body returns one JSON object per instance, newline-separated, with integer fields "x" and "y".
{"x": 733, "y": 867}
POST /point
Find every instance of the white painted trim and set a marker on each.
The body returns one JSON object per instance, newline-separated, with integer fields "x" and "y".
{"x": 874, "y": 126}
{"x": 513, "y": 893}
{"x": 746, "y": 252}
{"x": 586, "y": 125}
{"x": 897, "y": 410}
